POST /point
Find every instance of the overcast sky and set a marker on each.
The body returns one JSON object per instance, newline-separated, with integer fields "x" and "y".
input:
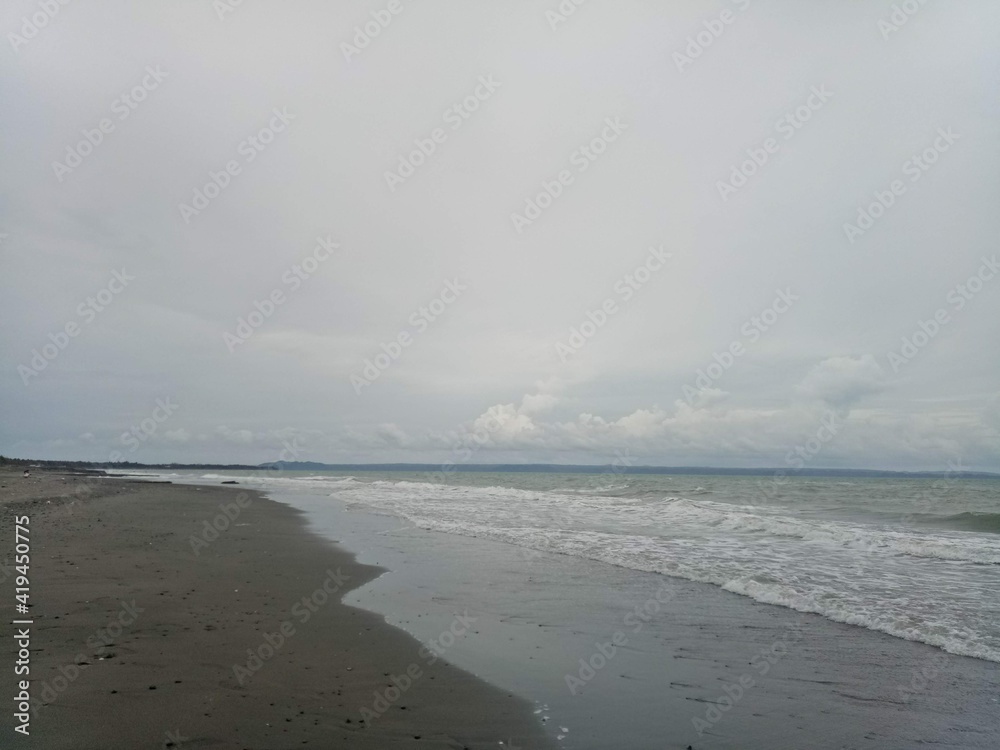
{"x": 483, "y": 179}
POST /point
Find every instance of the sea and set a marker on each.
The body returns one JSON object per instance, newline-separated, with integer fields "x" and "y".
{"x": 552, "y": 565}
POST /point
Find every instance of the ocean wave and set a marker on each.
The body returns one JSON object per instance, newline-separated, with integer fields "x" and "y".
{"x": 676, "y": 514}
{"x": 333, "y": 480}
{"x": 742, "y": 518}
{"x": 968, "y": 521}
{"x": 952, "y": 638}
{"x": 601, "y": 490}
{"x": 931, "y": 585}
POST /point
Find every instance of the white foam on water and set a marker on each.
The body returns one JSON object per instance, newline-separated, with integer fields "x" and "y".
{"x": 601, "y": 490}
{"x": 937, "y": 587}
{"x": 836, "y": 533}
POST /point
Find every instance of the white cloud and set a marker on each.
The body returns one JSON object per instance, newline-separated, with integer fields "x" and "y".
{"x": 504, "y": 424}
{"x": 708, "y": 397}
{"x": 712, "y": 433}
{"x": 537, "y": 403}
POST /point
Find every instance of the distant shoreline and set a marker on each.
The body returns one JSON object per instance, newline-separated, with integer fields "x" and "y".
{"x": 509, "y": 468}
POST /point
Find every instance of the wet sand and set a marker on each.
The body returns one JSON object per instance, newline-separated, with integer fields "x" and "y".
{"x": 150, "y": 631}
{"x": 696, "y": 666}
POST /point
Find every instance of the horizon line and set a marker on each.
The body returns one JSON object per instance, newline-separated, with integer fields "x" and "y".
{"x": 468, "y": 467}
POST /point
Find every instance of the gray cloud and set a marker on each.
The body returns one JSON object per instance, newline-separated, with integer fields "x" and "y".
{"x": 203, "y": 132}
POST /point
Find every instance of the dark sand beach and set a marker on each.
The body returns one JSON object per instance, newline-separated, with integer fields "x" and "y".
{"x": 135, "y": 636}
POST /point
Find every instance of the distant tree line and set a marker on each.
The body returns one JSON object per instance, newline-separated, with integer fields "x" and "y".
{"x": 7, "y": 461}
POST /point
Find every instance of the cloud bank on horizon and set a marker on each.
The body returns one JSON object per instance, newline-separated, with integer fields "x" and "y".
{"x": 744, "y": 233}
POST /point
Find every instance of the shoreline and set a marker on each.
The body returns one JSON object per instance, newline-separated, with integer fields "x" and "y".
{"x": 634, "y": 659}
{"x": 234, "y": 639}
